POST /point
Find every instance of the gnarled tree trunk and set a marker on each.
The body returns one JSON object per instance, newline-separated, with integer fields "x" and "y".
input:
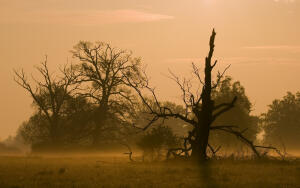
{"x": 205, "y": 115}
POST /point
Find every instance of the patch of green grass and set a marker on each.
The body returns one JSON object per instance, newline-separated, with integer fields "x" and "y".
{"x": 109, "y": 171}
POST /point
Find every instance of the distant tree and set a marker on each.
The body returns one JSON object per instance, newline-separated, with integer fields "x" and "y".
{"x": 103, "y": 70}
{"x": 76, "y": 126}
{"x": 35, "y": 131}
{"x": 49, "y": 96}
{"x": 239, "y": 115}
{"x": 281, "y": 123}
{"x": 157, "y": 139}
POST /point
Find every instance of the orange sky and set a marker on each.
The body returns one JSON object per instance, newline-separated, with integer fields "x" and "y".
{"x": 259, "y": 38}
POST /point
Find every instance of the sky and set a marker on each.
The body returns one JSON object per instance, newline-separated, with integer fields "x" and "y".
{"x": 258, "y": 38}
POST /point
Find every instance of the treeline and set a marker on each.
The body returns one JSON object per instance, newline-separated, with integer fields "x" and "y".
{"x": 98, "y": 103}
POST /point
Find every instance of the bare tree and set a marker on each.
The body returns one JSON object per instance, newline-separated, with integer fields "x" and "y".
{"x": 103, "y": 69}
{"x": 200, "y": 109}
{"x": 50, "y": 94}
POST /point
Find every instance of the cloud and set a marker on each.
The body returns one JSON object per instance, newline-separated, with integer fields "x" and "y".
{"x": 274, "y": 47}
{"x": 285, "y": 1}
{"x": 87, "y": 18}
{"x": 241, "y": 60}
{"x": 261, "y": 60}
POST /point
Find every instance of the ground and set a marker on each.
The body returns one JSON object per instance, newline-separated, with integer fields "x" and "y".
{"x": 117, "y": 171}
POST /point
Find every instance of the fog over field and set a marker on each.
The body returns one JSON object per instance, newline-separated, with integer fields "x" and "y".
{"x": 137, "y": 93}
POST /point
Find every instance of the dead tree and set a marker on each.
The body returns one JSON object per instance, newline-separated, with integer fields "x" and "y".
{"x": 50, "y": 94}
{"x": 201, "y": 111}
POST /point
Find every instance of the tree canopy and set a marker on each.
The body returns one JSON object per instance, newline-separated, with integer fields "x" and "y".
{"x": 238, "y": 116}
{"x": 50, "y": 95}
{"x": 105, "y": 70}
{"x": 281, "y": 123}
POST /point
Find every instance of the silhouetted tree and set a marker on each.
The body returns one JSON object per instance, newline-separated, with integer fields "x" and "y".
{"x": 201, "y": 111}
{"x": 281, "y": 123}
{"x": 103, "y": 68}
{"x": 49, "y": 96}
{"x": 76, "y": 126}
{"x": 35, "y": 131}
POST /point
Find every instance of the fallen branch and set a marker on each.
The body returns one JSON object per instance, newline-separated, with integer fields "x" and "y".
{"x": 129, "y": 153}
{"x": 174, "y": 151}
{"x": 239, "y": 135}
{"x": 214, "y": 151}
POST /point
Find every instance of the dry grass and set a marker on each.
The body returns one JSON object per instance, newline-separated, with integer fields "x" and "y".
{"x": 116, "y": 171}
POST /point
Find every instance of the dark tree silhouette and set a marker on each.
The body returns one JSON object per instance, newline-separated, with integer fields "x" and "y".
{"x": 49, "y": 95}
{"x": 35, "y": 131}
{"x": 103, "y": 68}
{"x": 157, "y": 139}
{"x": 76, "y": 126}
{"x": 281, "y": 123}
{"x": 200, "y": 109}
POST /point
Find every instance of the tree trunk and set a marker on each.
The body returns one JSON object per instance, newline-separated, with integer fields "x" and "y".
{"x": 97, "y": 133}
{"x": 55, "y": 132}
{"x": 206, "y": 113}
{"x": 205, "y": 120}
{"x": 200, "y": 144}
{"x": 100, "y": 121}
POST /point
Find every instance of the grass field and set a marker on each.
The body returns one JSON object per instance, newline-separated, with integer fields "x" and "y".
{"x": 116, "y": 171}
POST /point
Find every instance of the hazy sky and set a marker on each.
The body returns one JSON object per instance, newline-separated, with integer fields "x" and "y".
{"x": 259, "y": 38}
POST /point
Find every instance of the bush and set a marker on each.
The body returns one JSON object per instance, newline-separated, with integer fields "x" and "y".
{"x": 156, "y": 140}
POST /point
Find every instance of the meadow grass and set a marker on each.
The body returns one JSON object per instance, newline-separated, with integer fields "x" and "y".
{"x": 116, "y": 171}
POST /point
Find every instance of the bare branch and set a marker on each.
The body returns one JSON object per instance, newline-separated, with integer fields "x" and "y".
{"x": 214, "y": 64}
{"x": 227, "y": 107}
{"x": 196, "y": 72}
{"x": 219, "y": 77}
